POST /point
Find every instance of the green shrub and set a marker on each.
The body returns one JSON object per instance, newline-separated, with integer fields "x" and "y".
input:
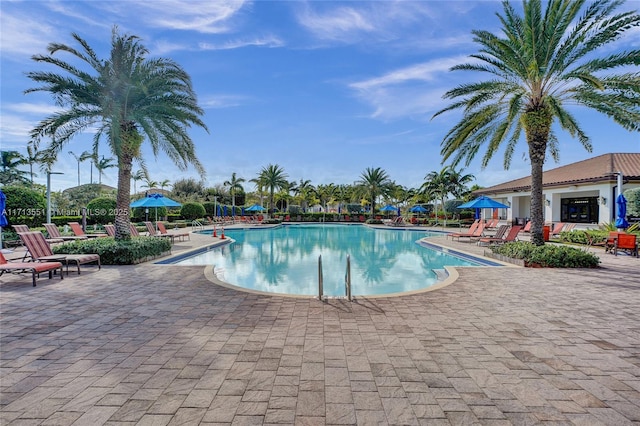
{"x": 139, "y": 214}
{"x": 374, "y": 221}
{"x": 548, "y": 255}
{"x": 191, "y": 211}
{"x": 118, "y": 252}
{"x": 24, "y": 206}
{"x": 101, "y": 210}
{"x": 64, "y": 220}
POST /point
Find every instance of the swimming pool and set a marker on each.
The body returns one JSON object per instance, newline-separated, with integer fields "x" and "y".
{"x": 285, "y": 260}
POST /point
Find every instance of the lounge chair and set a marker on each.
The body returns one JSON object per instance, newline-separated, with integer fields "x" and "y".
{"x": 527, "y": 227}
{"x": 24, "y": 228}
{"x": 626, "y": 242}
{"x": 398, "y": 221}
{"x": 493, "y": 223}
{"x": 471, "y": 230}
{"x": 511, "y": 236}
{"x": 180, "y": 235}
{"x": 41, "y": 251}
{"x": 134, "y": 230}
{"x": 111, "y": 230}
{"x": 79, "y": 232}
{"x": 35, "y": 268}
{"x": 54, "y": 232}
{"x": 557, "y": 229}
{"x": 471, "y": 235}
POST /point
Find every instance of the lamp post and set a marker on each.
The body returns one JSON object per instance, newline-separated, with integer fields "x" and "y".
{"x": 215, "y": 206}
{"x": 49, "y": 173}
{"x": 78, "y": 159}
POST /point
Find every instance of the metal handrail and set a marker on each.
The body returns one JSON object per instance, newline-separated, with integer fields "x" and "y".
{"x": 320, "y": 278}
{"x": 347, "y": 279}
{"x": 197, "y": 224}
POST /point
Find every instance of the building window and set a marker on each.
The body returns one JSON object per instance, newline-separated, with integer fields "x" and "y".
{"x": 580, "y": 210}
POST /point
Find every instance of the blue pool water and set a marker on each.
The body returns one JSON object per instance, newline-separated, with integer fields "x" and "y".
{"x": 285, "y": 260}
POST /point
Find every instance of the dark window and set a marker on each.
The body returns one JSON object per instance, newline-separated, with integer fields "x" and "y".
{"x": 580, "y": 210}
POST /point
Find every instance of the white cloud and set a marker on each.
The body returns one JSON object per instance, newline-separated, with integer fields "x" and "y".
{"x": 267, "y": 41}
{"x": 406, "y": 92}
{"x": 338, "y": 24}
{"x": 223, "y": 101}
{"x": 30, "y": 108}
{"x": 210, "y": 17}
{"x": 15, "y": 129}
{"x": 24, "y": 35}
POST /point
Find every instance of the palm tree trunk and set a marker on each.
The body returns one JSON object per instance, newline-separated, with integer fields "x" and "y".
{"x": 123, "y": 199}
{"x": 537, "y": 124}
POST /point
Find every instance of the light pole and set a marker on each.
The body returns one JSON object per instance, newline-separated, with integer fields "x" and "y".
{"x": 215, "y": 206}
{"x": 49, "y": 173}
{"x": 78, "y": 160}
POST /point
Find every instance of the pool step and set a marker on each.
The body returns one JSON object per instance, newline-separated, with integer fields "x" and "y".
{"x": 442, "y": 274}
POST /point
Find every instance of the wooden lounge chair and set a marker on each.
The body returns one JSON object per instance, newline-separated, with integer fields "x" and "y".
{"x": 527, "y": 227}
{"x": 471, "y": 235}
{"x": 54, "y": 232}
{"x": 24, "y": 228}
{"x": 511, "y": 236}
{"x": 35, "y": 268}
{"x": 493, "y": 223}
{"x": 41, "y": 251}
{"x": 626, "y": 242}
{"x": 180, "y": 235}
{"x": 79, "y": 232}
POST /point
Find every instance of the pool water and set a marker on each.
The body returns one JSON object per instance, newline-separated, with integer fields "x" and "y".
{"x": 285, "y": 260}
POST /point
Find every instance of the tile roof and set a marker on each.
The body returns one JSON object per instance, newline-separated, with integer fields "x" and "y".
{"x": 597, "y": 169}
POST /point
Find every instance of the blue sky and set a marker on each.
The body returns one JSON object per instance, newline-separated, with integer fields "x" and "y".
{"x": 325, "y": 89}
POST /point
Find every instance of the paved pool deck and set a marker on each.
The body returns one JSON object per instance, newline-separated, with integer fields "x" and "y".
{"x": 161, "y": 345}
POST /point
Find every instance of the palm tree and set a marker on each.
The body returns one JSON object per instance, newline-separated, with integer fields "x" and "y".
{"x": 149, "y": 184}
{"x": 272, "y": 177}
{"x": 543, "y": 63}
{"x": 104, "y": 163}
{"x": 437, "y": 185}
{"x": 10, "y": 161}
{"x": 375, "y": 182}
{"x": 128, "y": 97}
{"x": 139, "y": 175}
{"x": 234, "y": 184}
{"x": 303, "y": 190}
{"x": 164, "y": 183}
{"x": 80, "y": 158}
{"x": 31, "y": 158}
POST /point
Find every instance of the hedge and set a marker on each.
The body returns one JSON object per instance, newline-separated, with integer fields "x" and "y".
{"x": 136, "y": 250}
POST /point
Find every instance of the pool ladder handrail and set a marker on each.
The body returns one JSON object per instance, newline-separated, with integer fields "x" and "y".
{"x": 196, "y": 224}
{"x": 347, "y": 279}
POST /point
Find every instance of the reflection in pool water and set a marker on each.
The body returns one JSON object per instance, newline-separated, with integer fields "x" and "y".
{"x": 285, "y": 260}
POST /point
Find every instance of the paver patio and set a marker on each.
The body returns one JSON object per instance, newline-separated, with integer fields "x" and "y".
{"x": 159, "y": 344}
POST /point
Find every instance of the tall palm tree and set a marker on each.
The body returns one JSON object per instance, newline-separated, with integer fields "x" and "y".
{"x": 437, "y": 185}
{"x": 545, "y": 61}
{"x": 79, "y": 159}
{"x": 375, "y": 182}
{"x": 139, "y": 175}
{"x": 31, "y": 158}
{"x": 274, "y": 178}
{"x": 149, "y": 183}
{"x": 234, "y": 184}
{"x": 303, "y": 191}
{"x": 164, "y": 183}
{"x": 102, "y": 165}
{"x": 129, "y": 98}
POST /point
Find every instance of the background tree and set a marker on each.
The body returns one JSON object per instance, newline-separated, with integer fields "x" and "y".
{"x": 102, "y": 165}
{"x": 234, "y": 184}
{"x": 545, "y": 61}
{"x": 11, "y": 174}
{"x": 375, "y": 182}
{"x": 138, "y": 175}
{"x": 273, "y": 178}
{"x": 163, "y": 184}
{"x": 129, "y": 98}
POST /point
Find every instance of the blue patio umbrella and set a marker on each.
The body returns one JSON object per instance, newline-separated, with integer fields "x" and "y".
{"x": 417, "y": 209}
{"x": 399, "y": 214}
{"x": 3, "y": 218}
{"x": 482, "y": 202}
{"x": 388, "y": 208}
{"x": 218, "y": 211}
{"x": 242, "y": 211}
{"x": 256, "y": 208}
{"x": 155, "y": 201}
{"x": 621, "y": 221}
{"x": 224, "y": 210}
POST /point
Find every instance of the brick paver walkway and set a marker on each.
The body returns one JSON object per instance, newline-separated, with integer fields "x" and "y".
{"x": 156, "y": 345}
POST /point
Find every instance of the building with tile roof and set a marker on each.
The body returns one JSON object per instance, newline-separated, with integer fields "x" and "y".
{"x": 582, "y": 192}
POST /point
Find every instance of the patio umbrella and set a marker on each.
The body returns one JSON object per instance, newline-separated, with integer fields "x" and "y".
{"x": 482, "y": 202}
{"x": 224, "y": 210}
{"x": 155, "y": 200}
{"x": 388, "y": 208}
{"x": 218, "y": 211}
{"x": 3, "y": 218}
{"x": 417, "y": 209}
{"x": 621, "y": 221}
{"x": 256, "y": 208}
